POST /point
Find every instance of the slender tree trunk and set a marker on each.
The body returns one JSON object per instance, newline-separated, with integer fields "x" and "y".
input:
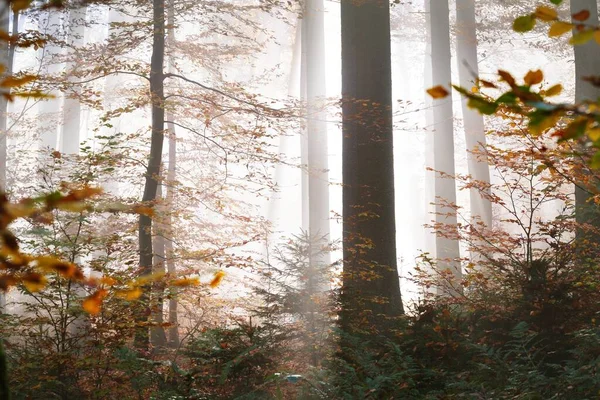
{"x": 4, "y": 49}
{"x": 587, "y": 63}
{"x": 173, "y": 339}
{"x": 304, "y": 183}
{"x": 318, "y": 169}
{"x": 71, "y": 126}
{"x": 429, "y": 239}
{"x": 49, "y": 109}
{"x": 371, "y": 290}
{"x": 154, "y": 161}
{"x": 468, "y": 71}
{"x": 447, "y": 248}
{"x": 158, "y": 338}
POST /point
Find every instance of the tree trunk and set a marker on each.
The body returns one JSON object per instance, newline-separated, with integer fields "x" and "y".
{"x": 318, "y": 178}
{"x": 49, "y": 109}
{"x": 371, "y": 290}
{"x": 468, "y": 71}
{"x": 587, "y": 63}
{"x": 154, "y": 161}
{"x": 71, "y": 126}
{"x": 158, "y": 338}
{"x": 6, "y": 59}
{"x": 447, "y": 248}
{"x": 173, "y": 339}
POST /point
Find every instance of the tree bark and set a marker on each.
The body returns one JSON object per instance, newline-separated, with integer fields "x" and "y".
{"x": 173, "y": 339}
{"x": 71, "y": 124}
{"x": 371, "y": 291}
{"x": 468, "y": 71}
{"x": 49, "y": 109}
{"x": 447, "y": 248}
{"x": 318, "y": 169}
{"x": 142, "y": 339}
{"x": 587, "y": 63}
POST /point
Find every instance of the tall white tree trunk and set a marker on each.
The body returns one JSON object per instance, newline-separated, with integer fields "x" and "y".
{"x": 173, "y": 333}
{"x": 587, "y": 63}
{"x": 318, "y": 174}
{"x": 447, "y": 249}
{"x": 50, "y": 23}
{"x": 466, "y": 42}
{"x": 71, "y": 123}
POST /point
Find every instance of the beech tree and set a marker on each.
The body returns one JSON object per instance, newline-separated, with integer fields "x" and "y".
{"x": 447, "y": 247}
{"x": 371, "y": 292}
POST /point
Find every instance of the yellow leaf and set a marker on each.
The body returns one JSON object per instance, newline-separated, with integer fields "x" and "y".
{"x": 15, "y": 81}
{"x": 186, "y": 282}
{"x": 107, "y": 280}
{"x": 93, "y": 303}
{"x": 582, "y": 37}
{"x": 72, "y": 206}
{"x": 559, "y": 28}
{"x": 597, "y": 37}
{"x": 34, "y": 282}
{"x": 130, "y": 295}
{"x": 546, "y": 13}
{"x": 534, "y": 77}
{"x": 554, "y": 90}
{"x": 594, "y": 134}
{"x": 20, "y": 5}
{"x": 438, "y": 92}
{"x": 217, "y": 279}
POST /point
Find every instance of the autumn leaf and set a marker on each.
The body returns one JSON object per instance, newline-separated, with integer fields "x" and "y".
{"x": 438, "y": 92}
{"x": 93, "y": 303}
{"x": 559, "y": 28}
{"x": 130, "y": 294}
{"x": 20, "y": 5}
{"x": 597, "y": 36}
{"x": 13, "y": 81}
{"x": 554, "y": 90}
{"x": 524, "y": 24}
{"x": 34, "y": 282}
{"x": 582, "y": 15}
{"x": 507, "y": 77}
{"x": 143, "y": 210}
{"x": 594, "y": 134}
{"x": 546, "y": 13}
{"x": 534, "y": 77}
{"x": 186, "y": 282}
{"x": 219, "y": 275}
{"x": 582, "y": 37}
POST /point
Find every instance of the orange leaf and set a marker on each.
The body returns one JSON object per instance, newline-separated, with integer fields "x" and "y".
{"x": 219, "y": 275}
{"x": 438, "y": 92}
{"x": 34, "y": 282}
{"x": 559, "y": 28}
{"x": 131, "y": 294}
{"x": 545, "y": 13}
{"x": 554, "y": 90}
{"x": 93, "y": 303}
{"x": 534, "y": 77}
{"x": 506, "y": 77}
{"x": 186, "y": 282}
{"x": 582, "y": 15}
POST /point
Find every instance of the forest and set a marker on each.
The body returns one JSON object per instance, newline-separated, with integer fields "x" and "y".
{"x": 309, "y": 199}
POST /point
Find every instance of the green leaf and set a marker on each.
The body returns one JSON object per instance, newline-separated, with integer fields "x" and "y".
{"x": 507, "y": 98}
{"x": 556, "y": 2}
{"x": 483, "y": 106}
{"x": 595, "y": 162}
{"x": 582, "y": 37}
{"x": 524, "y": 23}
